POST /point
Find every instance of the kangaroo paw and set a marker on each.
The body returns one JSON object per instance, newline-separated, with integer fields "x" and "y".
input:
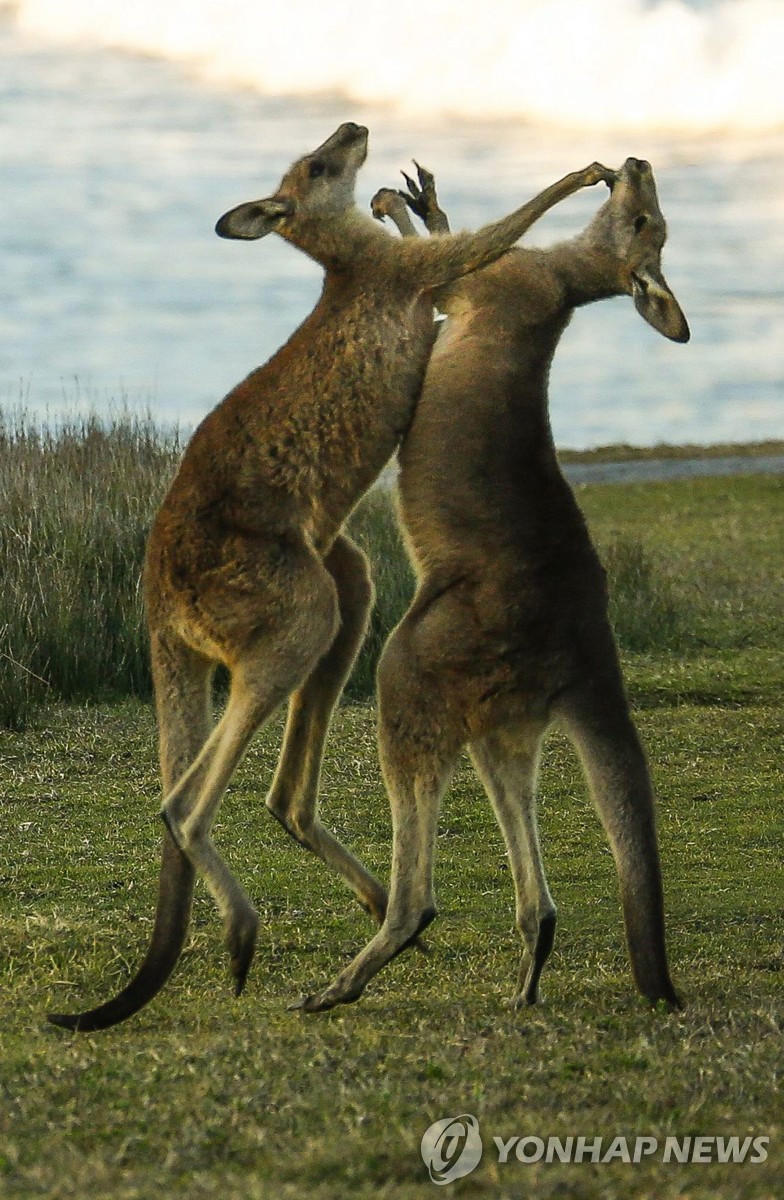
{"x": 421, "y": 196}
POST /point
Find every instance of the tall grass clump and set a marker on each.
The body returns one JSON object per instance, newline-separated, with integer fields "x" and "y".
{"x": 373, "y": 526}
{"x": 77, "y": 502}
{"x": 644, "y": 612}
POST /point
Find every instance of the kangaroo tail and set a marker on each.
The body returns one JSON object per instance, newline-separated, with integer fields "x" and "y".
{"x": 172, "y": 917}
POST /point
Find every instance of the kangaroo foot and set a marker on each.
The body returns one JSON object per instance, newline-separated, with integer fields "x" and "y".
{"x": 241, "y": 931}
{"x": 331, "y": 997}
{"x": 351, "y": 983}
{"x": 540, "y": 944}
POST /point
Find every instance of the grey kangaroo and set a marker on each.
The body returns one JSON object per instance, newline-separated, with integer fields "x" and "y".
{"x": 508, "y": 629}
{"x": 246, "y": 564}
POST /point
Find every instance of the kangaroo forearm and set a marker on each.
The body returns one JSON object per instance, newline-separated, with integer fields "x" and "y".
{"x": 389, "y": 202}
{"x": 437, "y": 222}
{"x": 451, "y": 257}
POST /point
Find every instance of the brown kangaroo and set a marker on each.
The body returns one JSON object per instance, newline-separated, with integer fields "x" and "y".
{"x": 508, "y": 629}
{"x": 246, "y": 565}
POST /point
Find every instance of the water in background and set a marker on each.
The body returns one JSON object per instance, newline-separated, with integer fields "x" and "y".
{"x": 126, "y": 130}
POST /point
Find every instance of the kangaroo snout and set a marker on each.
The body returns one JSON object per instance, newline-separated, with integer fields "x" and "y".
{"x": 347, "y": 135}
{"x": 352, "y": 130}
{"x": 636, "y": 166}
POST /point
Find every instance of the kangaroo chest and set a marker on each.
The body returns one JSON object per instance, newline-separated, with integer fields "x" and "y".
{"x": 310, "y": 431}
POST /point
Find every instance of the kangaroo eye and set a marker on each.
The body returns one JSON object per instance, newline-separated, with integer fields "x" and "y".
{"x": 316, "y": 168}
{"x": 640, "y": 223}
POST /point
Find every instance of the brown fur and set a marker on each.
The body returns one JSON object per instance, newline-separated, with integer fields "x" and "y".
{"x": 246, "y": 565}
{"x": 508, "y": 630}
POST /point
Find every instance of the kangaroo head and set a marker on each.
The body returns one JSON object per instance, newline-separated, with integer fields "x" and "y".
{"x": 320, "y": 184}
{"x": 631, "y": 229}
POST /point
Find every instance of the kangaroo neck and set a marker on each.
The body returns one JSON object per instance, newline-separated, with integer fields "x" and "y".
{"x": 338, "y": 242}
{"x": 586, "y": 273}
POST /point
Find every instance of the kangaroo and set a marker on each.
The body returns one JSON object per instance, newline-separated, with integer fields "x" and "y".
{"x": 246, "y": 564}
{"x": 508, "y": 629}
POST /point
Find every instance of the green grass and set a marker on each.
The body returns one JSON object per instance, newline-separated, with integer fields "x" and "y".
{"x": 374, "y": 527}
{"x": 77, "y": 503}
{"x": 715, "y": 550}
{"x": 203, "y": 1094}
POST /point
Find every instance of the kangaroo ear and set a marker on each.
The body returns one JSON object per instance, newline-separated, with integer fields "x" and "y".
{"x": 253, "y": 220}
{"x": 656, "y": 304}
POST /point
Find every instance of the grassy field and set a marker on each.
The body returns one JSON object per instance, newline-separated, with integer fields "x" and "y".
{"x": 202, "y": 1094}
{"x": 77, "y": 502}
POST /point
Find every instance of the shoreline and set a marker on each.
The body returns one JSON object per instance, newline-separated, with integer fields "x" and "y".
{"x": 623, "y": 463}
{"x": 640, "y": 464}
{"x": 658, "y": 470}
{"x": 618, "y": 452}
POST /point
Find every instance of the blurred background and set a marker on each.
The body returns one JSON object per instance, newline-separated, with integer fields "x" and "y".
{"x": 127, "y": 129}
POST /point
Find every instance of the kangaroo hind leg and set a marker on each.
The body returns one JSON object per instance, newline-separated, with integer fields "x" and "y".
{"x": 598, "y": 721}
{"x": 507, "y": 761}
{"x": 260, "y": 681}
{"x": 418, "y": 751}
{"x": 293, "y": 797}
{"x": 268, "y": 661}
